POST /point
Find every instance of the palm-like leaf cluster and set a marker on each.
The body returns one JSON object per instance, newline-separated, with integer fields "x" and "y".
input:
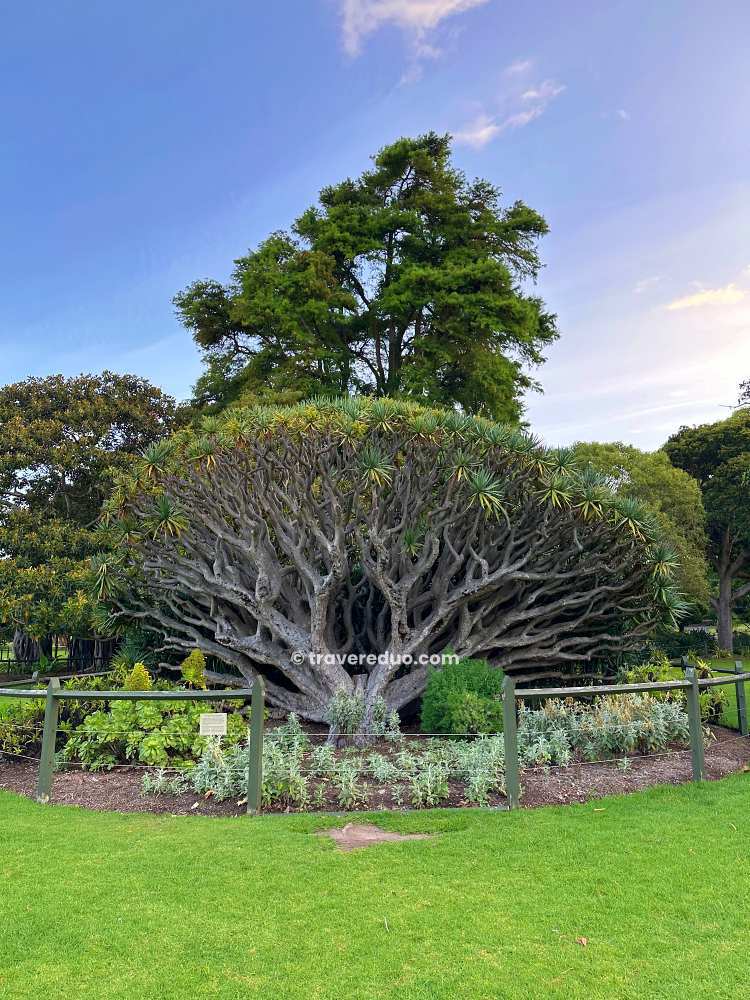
{"x": 479, "y": 457}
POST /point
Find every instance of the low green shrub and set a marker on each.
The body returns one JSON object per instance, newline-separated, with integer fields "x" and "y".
{"x": 21, "y": 726}
{"x": 658, "y": 668}
{"x": 161, "y": 782}
{"x": 425, "y": 773}
{"x": 382, "y": 769}
{"x": 346, "y": 781}
{"x": 99, "y": 736}
{"x": 429, "y": 785}
{"x": 21, "y": 720}
{"x": 614, "y": 725}
{"x": 220, "y": 772}
{"x": 463, "y": 697}
{"x": 346, "y": 713}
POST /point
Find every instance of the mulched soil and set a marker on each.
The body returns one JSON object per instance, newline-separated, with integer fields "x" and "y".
{"x": 120, "y": 790}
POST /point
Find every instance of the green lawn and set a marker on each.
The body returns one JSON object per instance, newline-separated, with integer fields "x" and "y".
{"x": 105, "y": 905}
{"x": 729, "y": 716}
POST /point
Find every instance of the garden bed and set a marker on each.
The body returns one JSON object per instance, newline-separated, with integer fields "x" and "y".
{"x": 120, "y": 790}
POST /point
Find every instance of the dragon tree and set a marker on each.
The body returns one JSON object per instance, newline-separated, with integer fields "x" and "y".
{"x": 292, "y": 541}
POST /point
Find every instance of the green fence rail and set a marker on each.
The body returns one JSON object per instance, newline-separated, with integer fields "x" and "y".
{"x": 742, "y": 721}
{"x": 692, "y": 685}
{"x": 46, "y": 678}
{"x": 54, "y": 694}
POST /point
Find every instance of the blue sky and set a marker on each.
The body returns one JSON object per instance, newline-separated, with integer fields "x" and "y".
{"x": 145, "y": 145}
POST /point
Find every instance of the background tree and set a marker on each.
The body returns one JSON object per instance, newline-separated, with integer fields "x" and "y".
{"x": 672, "y": 497}
{"x": 409, "y": 281}
{"x": 287, "y": 537}
{"x": 61, "y": 441}
{"x": 718, "y": 456}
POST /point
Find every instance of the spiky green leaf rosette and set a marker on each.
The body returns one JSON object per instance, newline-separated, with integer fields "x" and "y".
{"x": 479, "y": 459}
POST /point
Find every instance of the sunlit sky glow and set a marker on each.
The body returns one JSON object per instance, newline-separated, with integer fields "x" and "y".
{"x": 145, "y": 145}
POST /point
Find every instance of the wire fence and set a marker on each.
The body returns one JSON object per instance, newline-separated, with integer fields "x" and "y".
{"x": 55, "y": 694}
{"x": 514, "y": 763}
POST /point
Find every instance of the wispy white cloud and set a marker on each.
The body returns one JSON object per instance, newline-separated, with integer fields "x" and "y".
{"x": 522, "y": 118}
{"x": 478, "y": 133}
{"x": 484, "y": 128}
{"x": 729, "y": 295}
{"x": 418, "y": 19}
{"x": 544, "y": 92}
{"x": 645, "y": 283}
{"x": 621, "y": 114}
{"x": 518, "y": 67}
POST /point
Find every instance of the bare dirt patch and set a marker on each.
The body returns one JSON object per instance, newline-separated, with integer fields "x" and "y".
{"x": 355, "y": 835}
{"x": 120, "y": 790}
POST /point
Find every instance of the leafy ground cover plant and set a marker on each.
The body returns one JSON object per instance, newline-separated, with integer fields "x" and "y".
{"x": 611, "y": 726}
{"x": 156, "y": 733}
{"x": 346, "y": 714}
{"x": 421, "y": 772}
{"x": 99, "y": 735}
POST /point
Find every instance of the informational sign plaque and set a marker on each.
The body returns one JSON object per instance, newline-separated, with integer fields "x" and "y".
{"x": 213, "y": 724}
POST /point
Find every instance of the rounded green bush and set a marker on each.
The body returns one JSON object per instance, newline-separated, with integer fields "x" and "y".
{"x": 463, "y": 697}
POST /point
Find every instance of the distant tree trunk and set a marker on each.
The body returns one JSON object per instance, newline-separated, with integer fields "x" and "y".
{"x": 25, "y": 649}
{"x": 103, "y": 652}
{"x": 28, "y": 650}
{"x": 80, "y": 653}
{"x": 724, "y": 614}
{"x": 728, "y": 566}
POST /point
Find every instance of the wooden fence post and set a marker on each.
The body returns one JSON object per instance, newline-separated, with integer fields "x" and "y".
{"x": 255, "y": 758}
{"x": 510, "y": 736}
{"x": 696, "y": 728}
{"x": 741, "y": 700}
{"x": 49, "y": 740}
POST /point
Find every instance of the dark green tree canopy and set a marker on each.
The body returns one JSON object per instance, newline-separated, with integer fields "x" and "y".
{"x": 408, "y": 281}
{"x": 61, "y": 442}
{"x": 61, "y": 437}
{"x": 718, "y": 456}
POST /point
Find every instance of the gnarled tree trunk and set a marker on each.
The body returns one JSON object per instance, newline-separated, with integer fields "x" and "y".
{"x": 293, "y": 563}
{"x": 28, "y": 650}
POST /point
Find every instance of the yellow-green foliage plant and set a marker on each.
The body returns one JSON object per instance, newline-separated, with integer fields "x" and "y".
{"x": 139, "y": 679}
{"x": 193, "y": 670}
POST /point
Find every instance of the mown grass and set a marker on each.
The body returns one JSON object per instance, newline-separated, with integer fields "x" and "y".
{"x": 730, "y": 716}
{"x": 639, "y": 896}
{"x": 8, "y": 706}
